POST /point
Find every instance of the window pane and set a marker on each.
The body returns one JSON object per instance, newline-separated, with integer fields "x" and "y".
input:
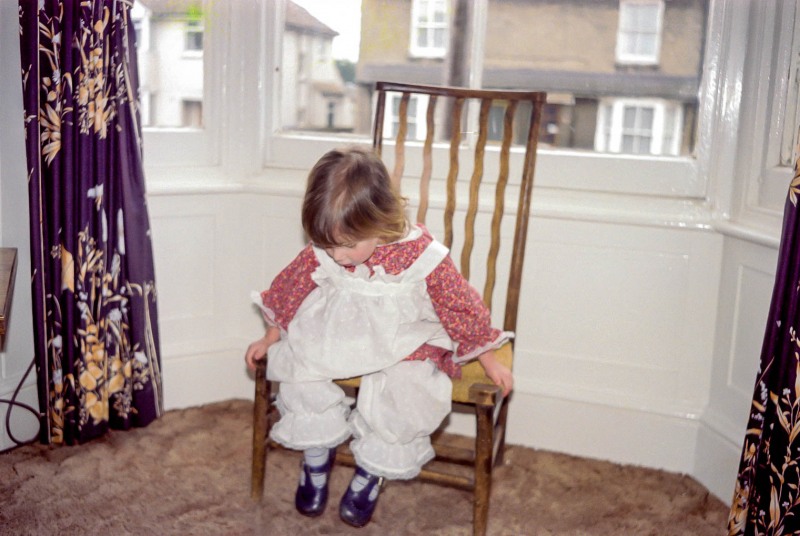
{"x": 628, "y": 144}
{"x": 422, "y": 38}
{"x": 532, "y": 45}
{"x": 170, "y": 57}
{"x": 646, "y": 44}
{"x": 439, "y": 35}
{"x": 318, "y": 66}
{"x": 646, "y": 121}
{"x": 549, "y": 53}
{"x": 644, "y": 144}
{"x": 630, "y": 118}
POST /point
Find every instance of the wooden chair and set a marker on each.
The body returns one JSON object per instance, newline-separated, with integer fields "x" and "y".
{"x": 521, "y": 113}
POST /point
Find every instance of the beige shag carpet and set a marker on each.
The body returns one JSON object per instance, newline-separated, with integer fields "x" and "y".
{"x": 188, "y": 473}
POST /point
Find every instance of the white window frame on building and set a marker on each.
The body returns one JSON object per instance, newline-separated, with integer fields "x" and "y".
{"x": 662, "y": 135}
{"x": 416, "y": 122}
{"x": 194, "y": 37}
{"x": 424, "y": 27}
{"x": 633, "y": 32}
{"x": 192, "y": 112}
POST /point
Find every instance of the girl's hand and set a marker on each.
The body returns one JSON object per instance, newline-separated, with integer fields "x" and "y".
{"x": 257, "y": 350}
{"x": 497, "y": 372}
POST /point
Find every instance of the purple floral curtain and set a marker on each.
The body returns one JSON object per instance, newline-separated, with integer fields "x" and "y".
{"x": 94, "y": 296}
{"x": 766, "y": 498}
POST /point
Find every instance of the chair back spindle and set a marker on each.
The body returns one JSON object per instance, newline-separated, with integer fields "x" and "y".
{"x": 457, "y": 102}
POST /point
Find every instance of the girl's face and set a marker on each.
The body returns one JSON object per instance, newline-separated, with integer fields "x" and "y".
{"x": 353, "y": 253}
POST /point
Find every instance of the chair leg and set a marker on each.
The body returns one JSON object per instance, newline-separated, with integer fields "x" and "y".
{"x": 260, "y": 431}
{"x": 500, "y": 428}
{"x": 484, "y": 442}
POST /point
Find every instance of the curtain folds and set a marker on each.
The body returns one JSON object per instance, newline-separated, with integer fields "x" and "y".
{"x": 766, "y": 497}
{"x": 93, "y": 285}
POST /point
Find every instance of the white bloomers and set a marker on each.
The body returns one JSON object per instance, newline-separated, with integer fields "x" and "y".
{"x": 397, "y": 410}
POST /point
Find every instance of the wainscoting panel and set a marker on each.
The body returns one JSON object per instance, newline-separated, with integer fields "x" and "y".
{"x": 619, "y": 315}
{"x": 747, "y": 278}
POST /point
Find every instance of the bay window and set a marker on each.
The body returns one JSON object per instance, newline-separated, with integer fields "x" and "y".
{"x": 612, "y": 128}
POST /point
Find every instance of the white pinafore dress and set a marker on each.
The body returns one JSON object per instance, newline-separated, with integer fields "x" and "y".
{"x": 356, "y": 323}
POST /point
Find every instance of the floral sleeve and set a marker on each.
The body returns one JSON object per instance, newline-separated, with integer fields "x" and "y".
{"x": 289, "y": 289}
{"x": 462, "y": 313}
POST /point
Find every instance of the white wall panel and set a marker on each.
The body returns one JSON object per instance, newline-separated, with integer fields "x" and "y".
{"x": 211, "y": 251}
{"x": 751, "y": 304}
{"x": 619, "y": 315}
{"x": 184, "y": 249}
{"x": 745, "y": 290}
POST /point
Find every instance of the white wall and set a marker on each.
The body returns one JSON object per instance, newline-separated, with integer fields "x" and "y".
{"x": 17, "y": 353}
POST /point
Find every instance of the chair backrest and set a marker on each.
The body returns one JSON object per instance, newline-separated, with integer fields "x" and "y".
{"x": 521, "y": 112}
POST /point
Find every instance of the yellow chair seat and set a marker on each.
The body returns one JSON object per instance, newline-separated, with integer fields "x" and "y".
{"x": 471, "y": 374}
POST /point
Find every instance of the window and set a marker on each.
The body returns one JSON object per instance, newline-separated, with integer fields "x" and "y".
{"x": 194, "y": 36}
{"x": 172, "y": 61}
{"x": 192, "y": 111}
{"x": 791, "y": 132}
{"x": 549, "y": 53}
{"x": 331, "y": 114}
{"x": 639, "y": 33}
{"x": 638, "y": 127}
{"x": 417, "y": 107}
{"x": 770, "y": 113}
{"x": 429, "y": 29}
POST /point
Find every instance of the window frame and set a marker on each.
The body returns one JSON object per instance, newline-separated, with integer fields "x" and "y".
{"x": 625, "y": 57}
{"x": 614, "y": 129}
{"x": 171, "y": 148}
{"x": 767, "y": 110}
{"x": 191, "y": 28}
{"x": 672, "y": 177}
{"x": 429, "y": 50}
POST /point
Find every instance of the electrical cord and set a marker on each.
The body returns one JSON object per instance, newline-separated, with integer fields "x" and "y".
{"x": 12, "y": 402}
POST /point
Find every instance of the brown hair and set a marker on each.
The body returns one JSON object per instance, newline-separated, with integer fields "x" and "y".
{"x": 350, "y": 197}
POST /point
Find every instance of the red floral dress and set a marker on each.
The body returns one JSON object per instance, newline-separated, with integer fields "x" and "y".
{"x": 458, "y": 305}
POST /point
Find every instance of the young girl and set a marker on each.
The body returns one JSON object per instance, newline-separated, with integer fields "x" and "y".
{"x": 370, "y": 296}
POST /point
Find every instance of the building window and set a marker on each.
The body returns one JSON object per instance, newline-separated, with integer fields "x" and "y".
{"x": 331, "y": 114}
{"x": 633, "y": 126}
{"x": 429, "y": 28}
{"x": 417, "y": 108}
{"x": 194, "y": 36}
{"x": 639, "y": 32}
{"x": 192, "y": 113}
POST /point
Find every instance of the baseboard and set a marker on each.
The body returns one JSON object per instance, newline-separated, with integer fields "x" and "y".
{"x": 717, "y": 462}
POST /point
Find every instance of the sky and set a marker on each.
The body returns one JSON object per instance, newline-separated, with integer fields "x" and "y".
{"x": 344, "y": 16}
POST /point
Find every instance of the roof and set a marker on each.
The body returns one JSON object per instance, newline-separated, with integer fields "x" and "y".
{"x": 586, "y": 84}
{"x": 301, "y": 20}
